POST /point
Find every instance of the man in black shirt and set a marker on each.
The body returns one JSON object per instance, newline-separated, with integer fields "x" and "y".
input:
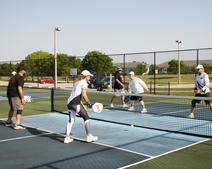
{"x": 15, "y": 96}
{"x": 118, "y": 87}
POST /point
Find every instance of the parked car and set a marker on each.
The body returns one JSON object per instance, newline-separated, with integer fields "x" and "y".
{"x": 100, "y": 83}
{"x": 45, "y": 81}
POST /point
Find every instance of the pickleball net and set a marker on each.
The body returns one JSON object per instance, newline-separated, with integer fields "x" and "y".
{"x": 165, "y": 113}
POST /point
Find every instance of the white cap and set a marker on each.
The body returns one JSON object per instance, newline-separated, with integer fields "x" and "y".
{"x": 86, "y": 73}
{"x": 13, "y": 73}
{"x": 199, "y": 67}
{"x": 131, "y": 73}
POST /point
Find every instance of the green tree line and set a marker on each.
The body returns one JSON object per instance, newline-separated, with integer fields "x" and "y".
{"x": 41, "y": 64}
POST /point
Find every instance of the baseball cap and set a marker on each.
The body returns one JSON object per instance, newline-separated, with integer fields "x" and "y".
{"x": 199, "y": 67}
{"x": 86, "y": 73}
{"x": 131, "y": 73}
{"x": 119, "y": 69}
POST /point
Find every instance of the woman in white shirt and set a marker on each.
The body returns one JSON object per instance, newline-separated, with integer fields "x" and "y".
{"x": 75, "y": 106}
{"x": 137, "y": 86}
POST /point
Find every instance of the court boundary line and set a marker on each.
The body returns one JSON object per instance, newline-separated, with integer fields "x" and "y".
{"x": 163, "y": 154}
{"x": 24, "y": 137}
{"x": 101, "y": 144}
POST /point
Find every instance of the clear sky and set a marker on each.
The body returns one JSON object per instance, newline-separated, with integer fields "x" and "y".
{"x": 110, "y": 26}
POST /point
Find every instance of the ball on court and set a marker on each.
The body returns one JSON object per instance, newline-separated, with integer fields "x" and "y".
{"x": 132, "y": 126}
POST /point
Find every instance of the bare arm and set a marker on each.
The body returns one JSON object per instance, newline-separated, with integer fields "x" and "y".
{"x": 119, "y": 82}
{"x": 85, "y": 97}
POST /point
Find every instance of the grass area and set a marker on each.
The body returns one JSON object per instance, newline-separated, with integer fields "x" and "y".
{"x": 195, "y": 157}
{"x": 173, "y": 78}
{"x": 38, "y": 106}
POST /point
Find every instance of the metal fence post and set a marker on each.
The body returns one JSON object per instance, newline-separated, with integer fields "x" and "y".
{"x": 197, "y": 56}
{"x": 169, "y": 88}
{"x": 52, "y": 100}
{"x": 124, "y": 67}
{"x": 154, "y": 72}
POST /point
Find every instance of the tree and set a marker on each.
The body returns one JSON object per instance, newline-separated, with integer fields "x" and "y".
{"x": 140, "y": 69}
{"x": 7, "y": 68}
{"x": 151, "y": 69}
{"x": 173, "y": 67}
{"x": 207, "y": 67}
{"x": 39, "y": 63}
{"x": 66, "y": 62}
{"x": 98, "y": 63}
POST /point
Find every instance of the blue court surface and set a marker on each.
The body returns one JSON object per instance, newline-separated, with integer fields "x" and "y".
{"x": 41, "y": 144}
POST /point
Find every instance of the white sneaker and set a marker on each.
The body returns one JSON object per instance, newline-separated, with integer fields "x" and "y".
{"x": 68, "y": 139}
{"x": 190, "y": 116}
{"x": 19, "y": 127}
{"x": 132, "y": 108}
{"x": 91, "y": 138}
{"x": 144, "y": 110}
{"x": 111, "y": 105}
{"x": 125, "y": 105}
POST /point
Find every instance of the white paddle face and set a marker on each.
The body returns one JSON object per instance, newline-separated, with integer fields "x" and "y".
{"x": 97, "y": 107}
{"x": 27, "y": 99}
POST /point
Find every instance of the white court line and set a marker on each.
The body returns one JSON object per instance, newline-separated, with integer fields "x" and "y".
{"x": 169, "y": 152}
{"x": 101, "y": 144}
{"x": 25, "y": 137}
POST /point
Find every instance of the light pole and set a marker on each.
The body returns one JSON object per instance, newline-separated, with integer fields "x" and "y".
{"x": 178, "y": 53}
{"x": 56, "y": 29}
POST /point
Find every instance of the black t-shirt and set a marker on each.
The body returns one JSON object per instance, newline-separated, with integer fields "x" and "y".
{"x": 116, "y": 84}
{"x": 14, "y": 82}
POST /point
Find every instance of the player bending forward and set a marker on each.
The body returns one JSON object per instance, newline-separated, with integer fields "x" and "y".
{"x": 75, "y": 106}
{"x": 136, "y": 86}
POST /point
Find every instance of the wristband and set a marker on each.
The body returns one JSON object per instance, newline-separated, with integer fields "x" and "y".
{"x": 89, "y": 102}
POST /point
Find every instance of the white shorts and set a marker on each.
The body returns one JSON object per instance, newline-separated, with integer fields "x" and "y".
{"x": 119, "y": 92}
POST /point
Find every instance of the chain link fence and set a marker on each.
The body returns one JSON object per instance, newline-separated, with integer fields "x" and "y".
{"x": 161, "y": 70}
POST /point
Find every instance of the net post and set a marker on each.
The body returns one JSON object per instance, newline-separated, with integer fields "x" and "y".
{"x": 52, "y": 100}
{"x": 150, "y": 87}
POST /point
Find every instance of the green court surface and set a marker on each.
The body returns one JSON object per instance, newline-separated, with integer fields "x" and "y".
{"x": 195, "y": 157}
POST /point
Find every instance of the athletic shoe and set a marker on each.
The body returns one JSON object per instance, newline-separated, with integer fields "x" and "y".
{"x": 9, "y": 123}
{"x": 190, "y": 116}
{"x": 132, "y": 108}
{"x": 125, "y": 106}
{"x": 91, "y": 138}
{"x": 144, "y": 110}
{"x": 19, "y": 127}
{"x": 111, "y": 105}
{"x": 68, "y": 139}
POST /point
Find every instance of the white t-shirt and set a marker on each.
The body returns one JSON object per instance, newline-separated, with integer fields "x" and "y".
{"x": 202, "y": 82}
{"x": 75, "y": 96}
{"x": 137, "y": 86}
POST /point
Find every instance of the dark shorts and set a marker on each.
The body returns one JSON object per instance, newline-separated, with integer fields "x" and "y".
{"x": 79, "y": 109}
{"x": 10, "y": 103}
{"x": 194, "y": 101}
{"x": 136, "y": 98}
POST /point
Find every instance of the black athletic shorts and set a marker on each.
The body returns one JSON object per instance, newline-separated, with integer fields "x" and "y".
{"x": 194, "y": 101}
